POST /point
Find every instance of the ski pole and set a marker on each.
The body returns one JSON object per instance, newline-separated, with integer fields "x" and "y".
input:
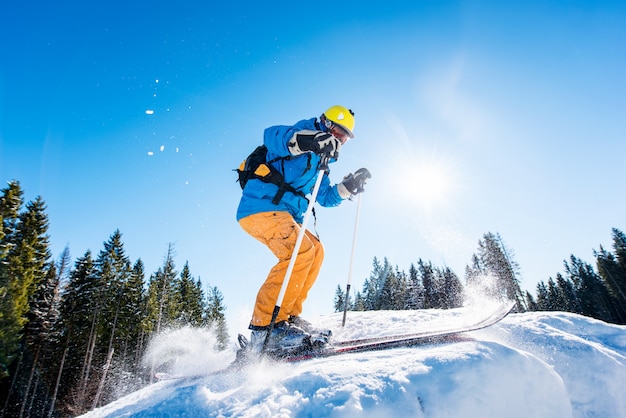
{"x": 294, "y": 254}
{"x": 356, "y": 224}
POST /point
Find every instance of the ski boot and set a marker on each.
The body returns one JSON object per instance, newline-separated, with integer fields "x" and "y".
{"x": 286, "y": 340}
{"x": 319, "y": 337}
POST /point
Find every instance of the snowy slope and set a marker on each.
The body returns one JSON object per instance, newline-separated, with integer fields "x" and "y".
{"x": 529, "y": 365}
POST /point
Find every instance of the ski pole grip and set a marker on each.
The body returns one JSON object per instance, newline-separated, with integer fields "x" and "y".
{"x": 324, "y": 164}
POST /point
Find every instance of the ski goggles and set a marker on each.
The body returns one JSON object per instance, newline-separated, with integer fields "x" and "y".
{"x": 339, "y": 132}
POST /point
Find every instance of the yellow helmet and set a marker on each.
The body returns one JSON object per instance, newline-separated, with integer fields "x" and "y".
{"x": 341, "y": 116}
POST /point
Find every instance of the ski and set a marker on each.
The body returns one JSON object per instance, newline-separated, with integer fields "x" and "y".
{"x": 402, "y": 340}
{"x": 493, "y": 317}
{"x": 450, "y": 334}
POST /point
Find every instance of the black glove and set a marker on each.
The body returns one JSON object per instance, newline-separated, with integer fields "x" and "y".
{"x": 320, "y": 143}
{"x": 355, "y": 183}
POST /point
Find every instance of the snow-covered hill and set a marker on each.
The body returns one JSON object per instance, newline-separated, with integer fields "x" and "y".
{"x": 529, "y": 365}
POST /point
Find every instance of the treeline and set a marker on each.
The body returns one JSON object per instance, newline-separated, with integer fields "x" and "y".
{"x": 598, "y": 292}
{"x": 429, "y": 287}
{"x": 72, "y": 336}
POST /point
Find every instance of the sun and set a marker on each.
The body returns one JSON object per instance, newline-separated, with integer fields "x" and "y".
{"x": 430, "y": 182}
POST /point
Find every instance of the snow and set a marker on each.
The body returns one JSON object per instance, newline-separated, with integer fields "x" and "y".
{"x": 529, "y": 365}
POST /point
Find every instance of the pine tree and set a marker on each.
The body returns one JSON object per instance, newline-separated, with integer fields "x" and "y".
{"x": 138, "y": 295}
{"x": 161, "y": 302}
{"x": 130, "y": 320}
{"x": 556, "y": 302}
{"x": 359, "y": 302}
{"x": 33, "y": 248}
{"x": 414, "y": 291}
{"x": 530, "y": 302}
{"x": 40, "y": 336}
{"x": 58, "y": 351}
{"x": 78, "y": 298}
{"x": 373, "y": 286}
{"x": 215, "y": 316}
{"x": 452, "y": 289}
{"x": 24, "y": 267}
{"x": 429, "y": 281}
{"x": 113, "y": 271}
{"x": 619, "y": 246}
{"x": 368, "y": 296}
{"x": 496, "y": 259}
{"x": 189, "y": 299}
{"x": 392, "y": 293}
{"x": 612, "y": 270}
{"x": 543, "y": 304}
{"x": 63, "y": 266}
{"x": 569, "y": 300}
{"x": 474, "y": 272}
{"x": 78, "y": 305}
{"x": 400, "y": 294}
{"x": 11, "y": 203}
{"x": 594, "y": 296}
{"x": 340, "y": 299}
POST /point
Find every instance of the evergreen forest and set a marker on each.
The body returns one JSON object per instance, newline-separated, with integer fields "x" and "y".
{"x": 596, "y": 291}
{"x": 73, "y": 333}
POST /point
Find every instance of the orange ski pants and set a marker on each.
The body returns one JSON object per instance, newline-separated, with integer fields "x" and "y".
{"x": 279, "y": 232}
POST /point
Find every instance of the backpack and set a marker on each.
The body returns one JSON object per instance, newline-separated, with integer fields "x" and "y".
{"x": 256, "y": 166}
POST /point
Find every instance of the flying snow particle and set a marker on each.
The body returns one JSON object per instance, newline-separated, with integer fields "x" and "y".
{"x": 162, "y": 148}
{"x": 149, "y": 112}
{"x": 150, "y": 153}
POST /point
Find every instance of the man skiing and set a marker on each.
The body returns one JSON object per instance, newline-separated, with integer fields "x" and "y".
{"x": 272, "y": 212}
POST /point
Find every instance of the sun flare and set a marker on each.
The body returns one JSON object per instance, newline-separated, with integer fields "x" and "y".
{"x": 430, "y": 183}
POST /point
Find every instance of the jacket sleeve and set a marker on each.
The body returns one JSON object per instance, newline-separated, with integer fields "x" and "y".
{"x": 328, "y": 196}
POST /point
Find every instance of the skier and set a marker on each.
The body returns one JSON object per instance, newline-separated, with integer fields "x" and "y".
{"x": 273, "y": 214}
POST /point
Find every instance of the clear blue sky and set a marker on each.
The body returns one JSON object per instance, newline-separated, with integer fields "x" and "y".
{"x": 473, "y": 117}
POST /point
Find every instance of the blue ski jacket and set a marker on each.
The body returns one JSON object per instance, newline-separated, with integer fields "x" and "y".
{"x": 300, "y": 171}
